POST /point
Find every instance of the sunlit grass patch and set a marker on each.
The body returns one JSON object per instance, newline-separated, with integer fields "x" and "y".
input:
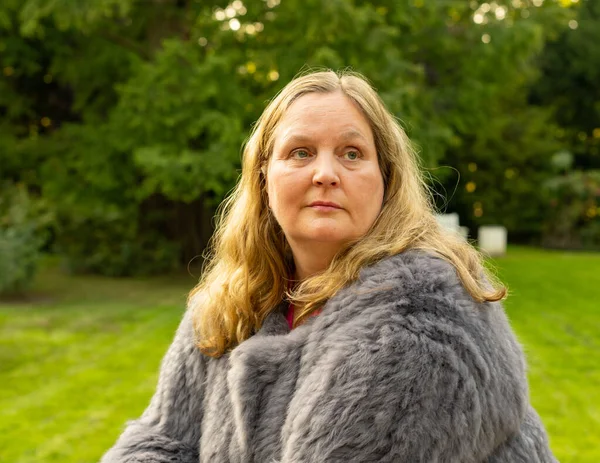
{"x": 82, "y": 356}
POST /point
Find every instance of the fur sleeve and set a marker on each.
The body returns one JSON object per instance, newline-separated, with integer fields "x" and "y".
{"x": 168, "y": 430}
{"x": 423, "y": 374}
{"x": 528, "y": 445}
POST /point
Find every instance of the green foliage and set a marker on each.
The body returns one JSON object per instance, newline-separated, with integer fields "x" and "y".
{"x": 573, "y": 220}
{"x": 100, "y": 225}
{"x": 185, "y": 139}
{"x": 570, "y": 84}
{"x": 128, "y": 117}
{"x": 115, "y": 248}
{"x": 501, "y": 169}
{"x": 21, "y": 238}
{"x": 503, "y": 144}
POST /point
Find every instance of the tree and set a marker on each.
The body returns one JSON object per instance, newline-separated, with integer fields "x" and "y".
{"x": 570, "y": 84}
{"x": 129, "y": 116}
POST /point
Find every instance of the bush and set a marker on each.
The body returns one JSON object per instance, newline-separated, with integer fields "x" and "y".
{"x": 21, "y": 238}
{"x": 115, "y": 248}
{"x": 574, "y": 218}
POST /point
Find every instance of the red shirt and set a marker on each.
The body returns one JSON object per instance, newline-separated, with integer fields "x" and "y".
{"x": 290, "y": 315}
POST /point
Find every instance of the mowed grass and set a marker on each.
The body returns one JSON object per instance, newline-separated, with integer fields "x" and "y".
{"x": 554, "y": 306}
{"x": 80, "y": 360}
{"x": 82, "y": 356}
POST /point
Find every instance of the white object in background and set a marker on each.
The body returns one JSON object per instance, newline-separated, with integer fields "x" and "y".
{"x": 449, "y": 221}
{"x": 464, "y": 232}
{"x": 492, "y": 239}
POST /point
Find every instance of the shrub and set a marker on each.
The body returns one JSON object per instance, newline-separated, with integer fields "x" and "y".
{"x": 21, "y": 238}
{"x": 115, "y": 248}
{"x": 574, "y": 218}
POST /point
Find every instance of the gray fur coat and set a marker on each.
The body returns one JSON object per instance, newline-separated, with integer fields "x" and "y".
{"x": 401, "y": 366}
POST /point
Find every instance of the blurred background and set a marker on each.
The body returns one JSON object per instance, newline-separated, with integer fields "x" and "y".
{"x": 121, "y": 126}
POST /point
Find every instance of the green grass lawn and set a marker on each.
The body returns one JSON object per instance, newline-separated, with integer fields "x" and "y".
{"x": 82, "y": 356}
{"x": 554, "y": 306}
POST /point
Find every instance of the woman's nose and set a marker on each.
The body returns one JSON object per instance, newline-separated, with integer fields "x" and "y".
{"x": 325, "y": 173}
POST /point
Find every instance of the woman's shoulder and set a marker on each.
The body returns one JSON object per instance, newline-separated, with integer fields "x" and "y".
{"x": 443, "y": 369}
{"x": 414, "y": 281}
{"x": 414, "y": 271}
{"x": 418, "y": 294}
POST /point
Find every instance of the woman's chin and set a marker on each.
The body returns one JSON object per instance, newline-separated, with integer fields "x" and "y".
{"x": 324, "y": 235}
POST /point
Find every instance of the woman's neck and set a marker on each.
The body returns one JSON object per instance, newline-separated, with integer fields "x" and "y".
{"x": 312, "y": 259}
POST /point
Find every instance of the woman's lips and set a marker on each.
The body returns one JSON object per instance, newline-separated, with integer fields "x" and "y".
{"x": 325, "y": 206}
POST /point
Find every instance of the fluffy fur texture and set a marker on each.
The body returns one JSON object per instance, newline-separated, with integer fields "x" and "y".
{"x": 401, "y": 366}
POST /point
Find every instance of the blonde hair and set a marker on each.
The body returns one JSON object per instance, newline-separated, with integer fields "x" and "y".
{"x": 249, "y": 263}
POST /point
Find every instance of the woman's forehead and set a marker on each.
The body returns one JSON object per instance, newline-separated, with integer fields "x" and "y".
{"x": 315, "y": 113}
{"x": 322, "y": 103}
{"x": 295, "y": 135}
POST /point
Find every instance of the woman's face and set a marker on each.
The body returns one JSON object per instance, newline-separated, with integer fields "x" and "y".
{"x": 323, "y": 178}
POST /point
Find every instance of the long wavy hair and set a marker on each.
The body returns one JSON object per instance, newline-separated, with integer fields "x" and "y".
{"x": 249, "y": 265}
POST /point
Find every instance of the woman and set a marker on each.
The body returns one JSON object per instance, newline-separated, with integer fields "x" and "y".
{"x": 410, "y": 358}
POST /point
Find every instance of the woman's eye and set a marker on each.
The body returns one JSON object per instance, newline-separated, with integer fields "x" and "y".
{"x": 300, "y": 154}
{"x": 352, "y": 155}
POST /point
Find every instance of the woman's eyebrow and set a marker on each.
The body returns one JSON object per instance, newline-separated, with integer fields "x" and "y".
{"x": 352, "y": 134}
{"x": 344, "y": 136}
{"x": 296, "y": 138}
